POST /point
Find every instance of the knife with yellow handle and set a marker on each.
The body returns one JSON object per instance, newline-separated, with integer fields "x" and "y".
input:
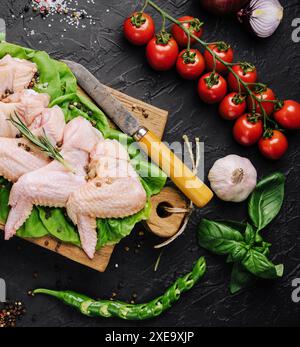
{"x": 189, "y": 184}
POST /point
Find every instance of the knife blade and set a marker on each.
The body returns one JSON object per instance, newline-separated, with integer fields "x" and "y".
{"x": 181, "y": 175}
{"x": 101, "y": 95}
{"x": 2, "y": 30}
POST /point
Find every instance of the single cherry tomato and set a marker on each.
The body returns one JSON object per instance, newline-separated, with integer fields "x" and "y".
{"x": 192, "y": 24}
{"x": 190, "y": 64}
{"x": 222, "y": 50}
{"x": 263, "y": 93}
{"x": 248, "y": 129}
{"x": 162, "y": 52}
{"x": 212, "y": 88}
{"x": 246, "y": 72}
{"x": 232, "y": 106}
{"x": 139, "y": 28}
{"x": 287, "y": 114}
{"x": 273, "y": 145}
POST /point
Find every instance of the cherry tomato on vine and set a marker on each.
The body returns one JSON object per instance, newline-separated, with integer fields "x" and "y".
{"x": 222, "y": 50}
{"x": 192, "y": 24}
{"x": 287, "y": 114}
{"x": 139, "y": 28}
{"x": 232, "y": 106}
{"x": 263, "y": 93}
{"x": 248, "y": 129}
{"x": 273, "y": 145}
{"x": 190, "y": 64}
{"x": 212, "y": 88}
{"x": 162, "y": 52}
{"x": 246, "y": 72}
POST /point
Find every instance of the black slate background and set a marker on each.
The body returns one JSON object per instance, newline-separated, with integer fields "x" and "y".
{"x": 104, "y": 51}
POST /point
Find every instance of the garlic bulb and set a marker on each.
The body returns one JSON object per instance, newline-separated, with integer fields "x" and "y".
{"x": 233, "y": 178}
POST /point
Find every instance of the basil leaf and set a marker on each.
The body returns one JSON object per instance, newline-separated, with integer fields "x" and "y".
{"x": 218, "y": 237}
{"x": 250, "y": 234}
{"x": 240, "y": 278}
{"x": 241, "y": 227}
{"x": 239, "y": 252}
{"x": 266, "y": 200}
{"x": 258, "y": 238}
{"x": 264, "y": 248}
{"x": 259, "y": 265}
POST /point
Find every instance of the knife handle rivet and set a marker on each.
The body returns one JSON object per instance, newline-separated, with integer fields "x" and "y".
{"x": 140, "y": 133}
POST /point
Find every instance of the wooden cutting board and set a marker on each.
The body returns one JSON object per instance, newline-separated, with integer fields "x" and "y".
{"x": 163, "y": 225}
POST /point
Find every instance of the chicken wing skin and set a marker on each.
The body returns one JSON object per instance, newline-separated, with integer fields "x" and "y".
{"x": 30, "y": 107}
{"x": 7, "y": 129}
{"x": 17, "y": 157}
{"x": 6, "y": 80}
{"x": 22, "y": 72}
{"x": 52, "y": 123}
{"x": 114, "y": 191}
{"x": 32, "y": 103}
{"x": 52, "y": 184}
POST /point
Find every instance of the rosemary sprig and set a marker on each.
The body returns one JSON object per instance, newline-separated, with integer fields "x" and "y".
{"x": 42, "y": 142}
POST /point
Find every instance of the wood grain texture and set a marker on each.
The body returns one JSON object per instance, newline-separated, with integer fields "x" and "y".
{"x": 165, "y": 224}
{"x": 155, "y": 120}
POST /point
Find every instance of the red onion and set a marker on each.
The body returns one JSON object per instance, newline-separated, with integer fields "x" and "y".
{"x": 222, "y": 7}
{"x": 262, "y": 17}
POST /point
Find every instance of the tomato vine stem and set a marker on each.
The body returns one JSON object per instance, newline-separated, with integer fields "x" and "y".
{"x": 215, "y": 56}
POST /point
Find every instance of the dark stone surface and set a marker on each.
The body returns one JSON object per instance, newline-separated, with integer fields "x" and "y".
{"x": 104, "y": 51}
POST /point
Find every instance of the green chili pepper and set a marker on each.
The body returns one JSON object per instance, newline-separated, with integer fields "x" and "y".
{"x": 107, "y": 308}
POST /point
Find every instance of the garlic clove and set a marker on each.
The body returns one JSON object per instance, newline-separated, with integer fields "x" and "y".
{"x": 233, "y": 178}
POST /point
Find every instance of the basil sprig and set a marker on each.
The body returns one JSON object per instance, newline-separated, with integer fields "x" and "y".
{"x": 242, "y": 242}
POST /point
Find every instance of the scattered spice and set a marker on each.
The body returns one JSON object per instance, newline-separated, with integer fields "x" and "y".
{"x": 93, "y": 122}
{"x": 140, "y": 109}
{"x": 57, "y": 247}
{"x": 30, "y": 293}
{"x": 11, "y": 313}
{"x": 35, "y": 275}
{"x": 68, "y": 10}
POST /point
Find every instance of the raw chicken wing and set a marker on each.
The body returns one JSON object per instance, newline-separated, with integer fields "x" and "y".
{"x": 32, "y": 102}
{"x": 114, "y": 191}
{"x": 7, "y": 129}
{"x": 6, "y": 81}
{"x": 22, "y": 71}
{"x": 52, "y": 184}
{"x": 52, "y": 123}
{"x": 17, "y": 157}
